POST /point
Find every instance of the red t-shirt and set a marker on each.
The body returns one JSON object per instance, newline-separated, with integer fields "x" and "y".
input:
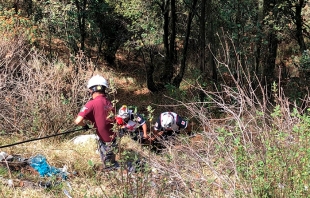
{"x": 97, "y": 111}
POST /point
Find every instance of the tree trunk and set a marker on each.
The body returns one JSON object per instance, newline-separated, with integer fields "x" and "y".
{"x": 259, "y": 45}
{"x": 211, "y": 39}
{"x": 81, "y": 21}
{"x": 168, "y": 7}
{"x": 177, "y": 80}
{"x": 299, "y": 24}
{"x": 202, "y": 37}
{"x": 149, "y": 67}
{"x": 173, "y": 35}
{"x": 269, "y": 63}
{"x": 270, "y": 60}
{"x": 202, "y": 33}
{"x": 149, "y": 77}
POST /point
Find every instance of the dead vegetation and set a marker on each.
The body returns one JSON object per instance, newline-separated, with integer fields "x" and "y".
{"x": 235, "y": 134}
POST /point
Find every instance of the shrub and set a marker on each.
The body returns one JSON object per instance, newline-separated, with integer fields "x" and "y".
{"x": 37, "y": 96}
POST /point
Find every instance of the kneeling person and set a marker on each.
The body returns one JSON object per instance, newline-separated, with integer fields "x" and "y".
{"x": 132, "y": 123}
{"x": 168, "y": 124}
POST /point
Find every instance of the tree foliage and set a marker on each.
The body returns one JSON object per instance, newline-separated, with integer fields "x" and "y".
{"x": 174, "y": 36}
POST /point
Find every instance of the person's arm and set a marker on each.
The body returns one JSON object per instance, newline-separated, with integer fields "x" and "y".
{"x": 157, "y": 134}
{"x": 158, "y": 130}
{"x": 82, "y": 115}
{"x": 79, "y": 121}
{"x": 144, "y": 128}
{"x": 138, "y": 118}
{"x": 182, "y": 123}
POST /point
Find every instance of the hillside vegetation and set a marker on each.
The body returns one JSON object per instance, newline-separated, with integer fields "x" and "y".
{"x": 245, "y": 96}
{"x": 244, "y": 145}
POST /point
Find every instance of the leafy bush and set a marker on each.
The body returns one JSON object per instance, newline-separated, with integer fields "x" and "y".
{"x": 305, "y": 60}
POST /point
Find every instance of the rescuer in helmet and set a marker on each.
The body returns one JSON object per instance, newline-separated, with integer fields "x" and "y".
{"x": 97, "y": 111}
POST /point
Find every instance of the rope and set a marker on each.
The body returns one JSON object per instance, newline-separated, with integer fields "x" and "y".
{"x": 71, "y": 131}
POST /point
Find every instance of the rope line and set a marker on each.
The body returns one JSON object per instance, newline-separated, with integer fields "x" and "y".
{"x": 30, "y": 140}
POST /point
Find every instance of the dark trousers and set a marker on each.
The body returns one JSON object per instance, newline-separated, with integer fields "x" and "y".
{"x": 107, "y": 155}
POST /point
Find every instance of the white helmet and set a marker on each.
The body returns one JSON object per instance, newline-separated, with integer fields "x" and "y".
{"x": 167, "y": 120}
{"x": 97, "y": 80}
{"x": 123, "y": 112}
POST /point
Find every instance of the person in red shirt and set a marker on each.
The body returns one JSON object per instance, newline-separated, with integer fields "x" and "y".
{"x": 98, "y": 111}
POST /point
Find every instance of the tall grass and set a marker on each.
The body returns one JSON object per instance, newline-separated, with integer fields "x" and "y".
{"x": 251, "y": 142}
{"x": 38, "y": 96}
{"x": 255, "y": 146}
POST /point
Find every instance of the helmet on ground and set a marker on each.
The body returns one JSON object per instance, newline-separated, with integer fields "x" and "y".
{"x": 97, "y": 80}
{"x": 167, "y": 120}
{"x": 123, "y": 112}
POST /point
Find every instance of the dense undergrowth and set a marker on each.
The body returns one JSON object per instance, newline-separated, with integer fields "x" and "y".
{"x": 245, "y": 143}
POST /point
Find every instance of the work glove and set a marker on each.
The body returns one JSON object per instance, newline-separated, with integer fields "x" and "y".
{"x": 86, "y": 127}
{"x": 119, "y": 120}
